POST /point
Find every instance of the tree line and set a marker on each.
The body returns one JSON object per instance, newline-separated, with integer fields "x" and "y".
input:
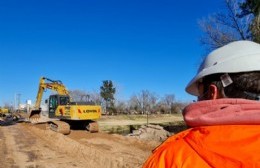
{"x": 144, "y": 102}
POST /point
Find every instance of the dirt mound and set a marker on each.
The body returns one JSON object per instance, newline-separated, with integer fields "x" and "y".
{"x": 26, "y": 144}
{"x": 93, "y": 156}
{"x": 151, "y": 132}
{"x": 99, "y": 149}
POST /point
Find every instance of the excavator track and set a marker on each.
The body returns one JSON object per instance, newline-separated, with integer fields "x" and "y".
{"x": 92, "y": 127}
{"x": 60, "y": 127}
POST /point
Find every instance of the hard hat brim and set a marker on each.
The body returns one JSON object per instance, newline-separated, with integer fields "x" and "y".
{"x": 242, "y": 62}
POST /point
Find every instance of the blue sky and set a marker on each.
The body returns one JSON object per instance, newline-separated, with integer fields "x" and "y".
{"x": 138, "y": 44}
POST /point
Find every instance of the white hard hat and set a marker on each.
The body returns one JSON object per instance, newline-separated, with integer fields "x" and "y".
{"x": 239, "y": 56}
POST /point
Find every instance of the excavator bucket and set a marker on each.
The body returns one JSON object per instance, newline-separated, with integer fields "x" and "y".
{"x": 35, "y": 117}
{"x": 35, "y": 114}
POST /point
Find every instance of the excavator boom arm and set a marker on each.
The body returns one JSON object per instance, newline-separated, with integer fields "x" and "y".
{"x": 46, "y": 83}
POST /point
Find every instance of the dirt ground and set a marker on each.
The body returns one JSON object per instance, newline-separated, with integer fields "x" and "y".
{"x": 35, "y": 146}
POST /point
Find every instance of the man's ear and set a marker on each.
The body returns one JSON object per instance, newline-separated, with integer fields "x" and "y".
{"x": 213, "y": 92}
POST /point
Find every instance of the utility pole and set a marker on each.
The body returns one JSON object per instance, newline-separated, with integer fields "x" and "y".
{"x": 14, "y": 101}
{"x": 17, "y": 100}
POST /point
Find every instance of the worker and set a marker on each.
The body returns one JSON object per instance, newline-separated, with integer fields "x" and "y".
{"x": 224, "y": 124}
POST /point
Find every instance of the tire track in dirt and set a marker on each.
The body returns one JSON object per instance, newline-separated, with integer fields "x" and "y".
{"x": 21, "y": 149}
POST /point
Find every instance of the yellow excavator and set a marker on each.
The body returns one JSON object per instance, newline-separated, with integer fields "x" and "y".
{"x": 3, "y": 111}
{"x": 63, "y": 112}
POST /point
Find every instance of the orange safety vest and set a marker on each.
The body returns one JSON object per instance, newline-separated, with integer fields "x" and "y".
{"x": 225, "y": 133}
{"x": 225, "y": 146}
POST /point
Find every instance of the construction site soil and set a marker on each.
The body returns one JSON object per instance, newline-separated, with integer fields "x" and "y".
{"x": 35, "y": 146}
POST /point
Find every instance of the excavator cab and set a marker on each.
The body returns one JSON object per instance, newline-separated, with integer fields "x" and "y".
{"x": 55, "y": 101}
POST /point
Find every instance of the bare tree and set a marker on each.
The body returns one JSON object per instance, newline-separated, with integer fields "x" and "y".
{"x": 167, "y": 102}
{"x": 96, "y": 97}
{"x": 144, "y": 102}
{"x": 83, "y": 96}
{"x": 121, "y": 107}
{"x": 134, "y": 106}
{"x": 225, "y": 27}
{"x": 77, "y": 95}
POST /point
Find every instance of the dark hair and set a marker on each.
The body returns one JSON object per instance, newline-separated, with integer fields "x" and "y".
{"x": 245, "y": 85}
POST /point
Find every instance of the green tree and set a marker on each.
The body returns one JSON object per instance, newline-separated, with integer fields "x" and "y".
{"x": 252, "y": 7}
{"x": 107, "y": 92}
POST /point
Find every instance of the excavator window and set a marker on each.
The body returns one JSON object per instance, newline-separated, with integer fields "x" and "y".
{"x": 53, "y": 102}
{"x": 64, "y": 100}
